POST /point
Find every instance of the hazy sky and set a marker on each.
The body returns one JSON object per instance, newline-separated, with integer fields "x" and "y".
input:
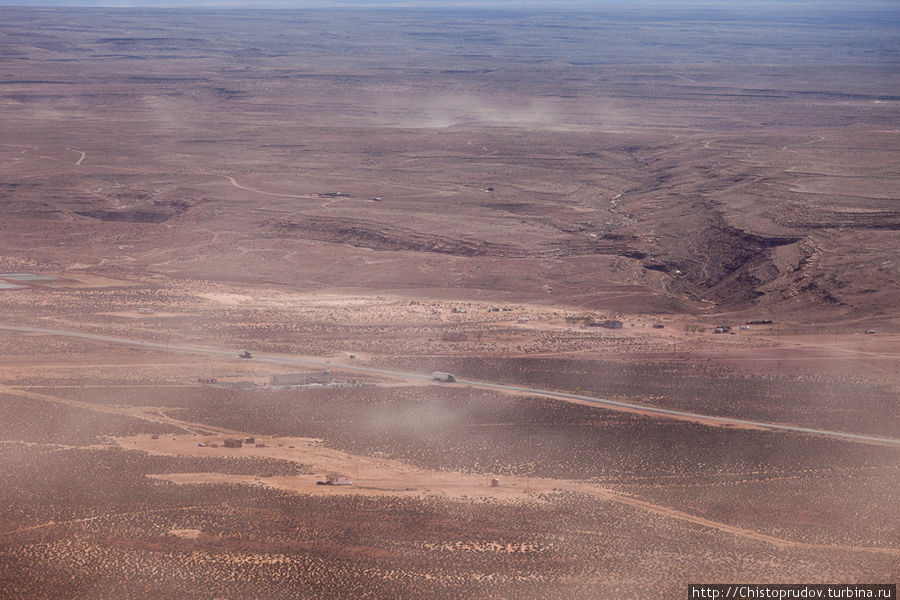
{"x": 883, "y": 13}
{"x": 786, "y": 4}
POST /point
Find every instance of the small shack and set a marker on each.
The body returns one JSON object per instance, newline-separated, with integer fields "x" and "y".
{"x": 249, "y": 440}
{"x": 612, "y": 324}
{"x": 335, "y": 479}
{"x": 232, "y": 443}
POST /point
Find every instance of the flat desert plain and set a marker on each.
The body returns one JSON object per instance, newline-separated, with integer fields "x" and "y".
{"x": 361, "y": 197}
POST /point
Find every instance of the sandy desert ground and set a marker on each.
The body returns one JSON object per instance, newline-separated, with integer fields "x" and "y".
{"x": 387, "y": 193}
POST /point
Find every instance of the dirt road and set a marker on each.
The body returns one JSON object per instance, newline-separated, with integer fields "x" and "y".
{"x": 713, "y": 420}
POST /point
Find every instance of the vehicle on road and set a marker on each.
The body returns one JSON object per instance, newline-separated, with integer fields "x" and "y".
{"x": 443, "y": 376}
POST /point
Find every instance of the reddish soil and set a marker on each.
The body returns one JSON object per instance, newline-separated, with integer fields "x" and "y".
{"x": 205, "y": 181}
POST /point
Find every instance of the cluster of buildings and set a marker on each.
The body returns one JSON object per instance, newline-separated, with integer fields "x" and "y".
{"x": 289, "y": 379}
{"x": 608, "y": 324}
{"x": 233, "y": 443}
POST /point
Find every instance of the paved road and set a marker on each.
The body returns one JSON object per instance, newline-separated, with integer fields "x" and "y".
{"x": 611, "y": 404}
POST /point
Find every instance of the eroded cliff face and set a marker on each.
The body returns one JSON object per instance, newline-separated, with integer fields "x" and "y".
{"x": 744, "y": 227}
